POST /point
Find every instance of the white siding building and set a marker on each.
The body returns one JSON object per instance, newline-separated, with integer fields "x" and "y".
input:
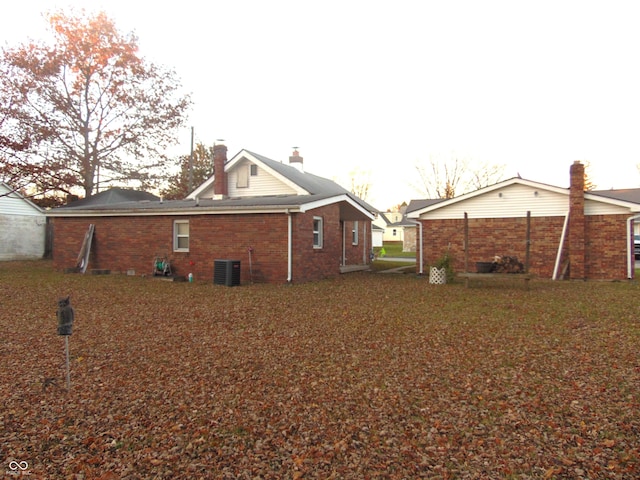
{"x": 22, "y": 227}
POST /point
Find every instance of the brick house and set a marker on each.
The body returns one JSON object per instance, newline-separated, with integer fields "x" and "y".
{"x": 573, "y": 234}
{"x": 281, "y": 223}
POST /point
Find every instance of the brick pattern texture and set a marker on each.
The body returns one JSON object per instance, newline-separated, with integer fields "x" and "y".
{"x": 604, "y": 246}
{"x": 124, "y": 243}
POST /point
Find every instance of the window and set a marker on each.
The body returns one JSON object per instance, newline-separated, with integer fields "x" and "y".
{"x": 254, "y": 170}
{"x": 354, "y": 233}
{"x": 243, "y": 177}
{"x": 394, "y": 232}
{"x": 317, "y": 232}
{"x": 181, "y": 236}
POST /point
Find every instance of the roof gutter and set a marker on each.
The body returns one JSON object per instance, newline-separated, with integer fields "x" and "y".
{"x": 155, "y": 213}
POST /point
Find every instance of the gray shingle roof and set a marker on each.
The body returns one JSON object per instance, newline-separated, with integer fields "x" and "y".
{"x": 422, "y": 203}
{"x": 625, "y": 194}
{"x": 311, "y": 183}
{"x": 204, "y": 203}
{"x": 112, "y": 197}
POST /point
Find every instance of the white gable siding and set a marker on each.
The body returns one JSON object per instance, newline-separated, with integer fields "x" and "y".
{"x": 592, "y": 207}
{"x": 511, "y": 201}
{"x": 259, "y": 185}
{"x": 207, "y": 192}
{"x": 13, "y": 204}
{"x": 516, "y": 199}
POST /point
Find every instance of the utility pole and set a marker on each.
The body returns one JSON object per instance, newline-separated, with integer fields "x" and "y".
{"x": 190, "y": 185}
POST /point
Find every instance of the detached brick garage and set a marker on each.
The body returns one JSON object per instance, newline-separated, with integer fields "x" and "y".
{"x": 573, "y": 234}
{"x": 282, "y": 224}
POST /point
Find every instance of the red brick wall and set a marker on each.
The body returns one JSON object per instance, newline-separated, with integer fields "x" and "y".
{"x": 605, "y": 250}
{"x": 353, "y": 253}
{"x": 606, "y": 247}
{"x": 313, "y": 263}
{"x": 577, "y": 223}
{"x": 317, "y": 263}
{"x": 123, "y": 243}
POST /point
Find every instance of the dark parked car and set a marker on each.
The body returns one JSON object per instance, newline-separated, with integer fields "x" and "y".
{"x": 636, "y": 246}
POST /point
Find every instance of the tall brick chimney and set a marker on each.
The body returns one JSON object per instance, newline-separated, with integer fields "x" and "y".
{"x": 295, "y": 160}
{"x": 576, "y": 223}
{"x": 220, "y": 186}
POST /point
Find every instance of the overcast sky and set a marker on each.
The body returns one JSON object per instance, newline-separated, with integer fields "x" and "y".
{"x": 382, "y": 86}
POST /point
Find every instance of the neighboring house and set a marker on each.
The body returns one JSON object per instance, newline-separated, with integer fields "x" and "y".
{"x": 398, "y": 228}
{"x": 23, "y": 227}
{"x": 573, "y": 234}
{"x": 390, "y": 222}
{"x": 282, "y": 224}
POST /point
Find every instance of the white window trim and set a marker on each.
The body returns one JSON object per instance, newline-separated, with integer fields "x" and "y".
{"x": 176, "y": 235}
{"x": 320, "y": 243}
{"x": 354, "y": 233}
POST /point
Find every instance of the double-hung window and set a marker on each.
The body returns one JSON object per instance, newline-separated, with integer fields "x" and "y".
{"x": 181, "y": 236}
{"x": 317, "y": 232}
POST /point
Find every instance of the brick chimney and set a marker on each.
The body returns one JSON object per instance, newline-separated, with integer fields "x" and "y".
{"x": 576, "y": 223}
{"x": 295, "y": 160}
{"x": 220, "y": 186}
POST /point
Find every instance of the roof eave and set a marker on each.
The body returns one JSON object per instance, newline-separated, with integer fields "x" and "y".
{"x": 227, "y": 210}
{"x": 336, "y": 199}
{"x": 466, "y": 196}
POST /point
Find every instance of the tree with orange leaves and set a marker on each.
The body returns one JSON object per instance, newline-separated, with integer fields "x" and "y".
{"x": 86, "y": 110}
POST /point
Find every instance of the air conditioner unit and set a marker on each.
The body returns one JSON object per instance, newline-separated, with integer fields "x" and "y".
{"x": 226, "y": 272}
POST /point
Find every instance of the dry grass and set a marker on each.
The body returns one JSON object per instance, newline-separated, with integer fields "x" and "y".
{"x": 365, "y": 376}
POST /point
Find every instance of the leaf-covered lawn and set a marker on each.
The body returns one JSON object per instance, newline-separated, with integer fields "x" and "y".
{"x": 365, "y": 376}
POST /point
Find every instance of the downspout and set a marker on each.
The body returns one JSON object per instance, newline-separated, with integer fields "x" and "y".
{"x": 559, "y": 254}
{"x": 289, "y": 246}
{"x": 630, "y": 248}
{"x": 344, "y": 247}
{"x": 364, "y": 243}
{"x": 420, "y": 272}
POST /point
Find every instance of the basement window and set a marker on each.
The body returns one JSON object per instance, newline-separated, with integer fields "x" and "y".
{"x": 317, "y": 232}
{"x": 181, "y": 236}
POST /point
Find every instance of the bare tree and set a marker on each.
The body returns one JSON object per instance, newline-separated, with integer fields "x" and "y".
{"x": 360, "y": 183}
{"x": 446, "y": 179}
{"x": 484, "y": 175}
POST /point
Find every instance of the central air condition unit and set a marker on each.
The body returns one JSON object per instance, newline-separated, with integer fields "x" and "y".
{"x": 226, "y": 272}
